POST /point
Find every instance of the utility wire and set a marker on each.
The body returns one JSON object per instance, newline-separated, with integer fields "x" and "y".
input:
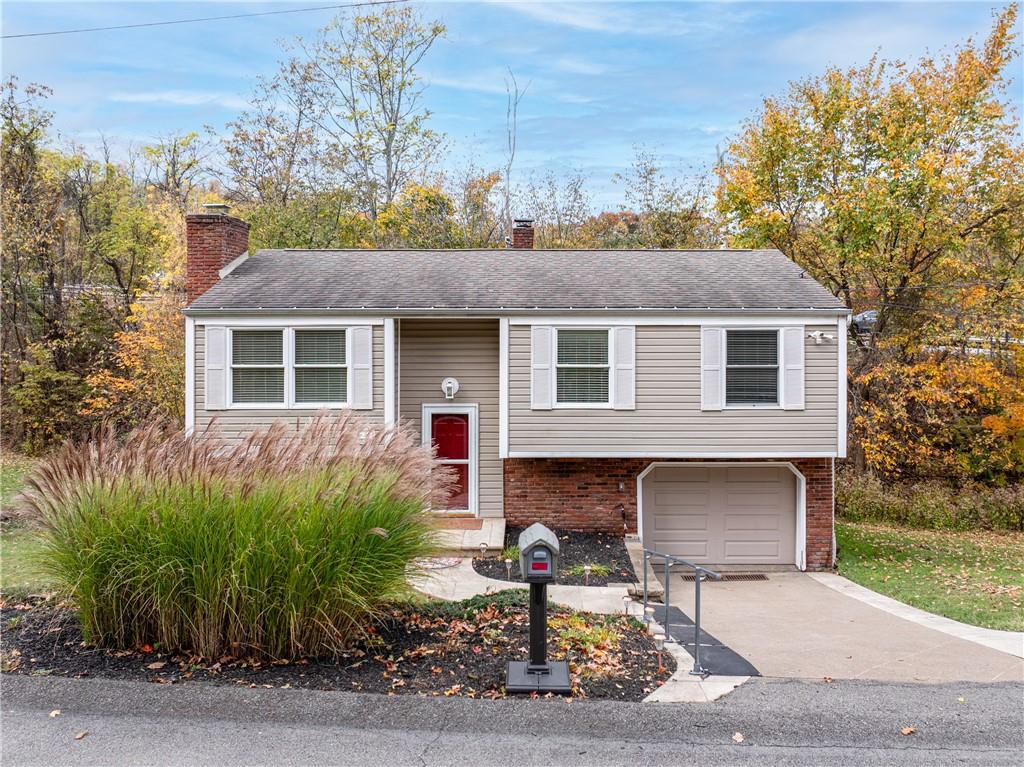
{"x": 206, "y": 18}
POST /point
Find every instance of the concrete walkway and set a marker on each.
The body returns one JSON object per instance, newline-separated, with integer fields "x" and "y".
{"x": 1009, "y": 642}
{"x": 462, "y": 582}
{"x": 794, "y": 626}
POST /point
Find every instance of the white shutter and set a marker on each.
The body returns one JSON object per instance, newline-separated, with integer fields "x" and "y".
{"x": 216, "y": 374}
{"x": 360, "y": 367}
{"x": 793, "y": 368}
{"x": 542, "y": 374}
{"x": 712, "y": 368}
{"x": 624, "y": 367}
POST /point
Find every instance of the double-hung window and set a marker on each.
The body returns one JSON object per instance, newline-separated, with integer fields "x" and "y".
{"x": 289, "y": 367}
{"x": 752, "y": 367}
{"x": 257, "y": 367}
{"x": 321, "y": 367}
{"x": 582, "y": 367}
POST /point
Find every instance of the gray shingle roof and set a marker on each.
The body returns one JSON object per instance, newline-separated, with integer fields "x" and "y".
{"x": 517, "y": 280}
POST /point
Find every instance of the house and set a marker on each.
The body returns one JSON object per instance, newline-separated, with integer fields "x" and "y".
{"x": 696, "y": 398}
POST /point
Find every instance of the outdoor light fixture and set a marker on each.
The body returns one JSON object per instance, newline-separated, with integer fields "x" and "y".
{"x": 659, "y": 643}
{"x": 450, "y": 387}
{"x": 508, "y": 569}
{"x": 483, "y": 548}
{"x": 538, "y": 564}
{"x": 586, "y": 575}
{"x": 625, "y": 604}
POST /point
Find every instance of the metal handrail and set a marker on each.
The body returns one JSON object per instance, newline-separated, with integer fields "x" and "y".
{"x": 699, "y": 572}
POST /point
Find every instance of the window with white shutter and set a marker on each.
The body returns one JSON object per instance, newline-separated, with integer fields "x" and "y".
{"x": 321, "y": 370}
{"x": 752, "y": 367}
{"x": 257, "y": 367}
{"x": 582, "y": 367}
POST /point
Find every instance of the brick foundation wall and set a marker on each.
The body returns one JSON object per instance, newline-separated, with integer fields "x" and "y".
{"x": 214, "y": 241}
{"x": 599, "y": 495}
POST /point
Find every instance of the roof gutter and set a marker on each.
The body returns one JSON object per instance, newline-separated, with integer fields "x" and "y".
{"x": 496, "y": 311}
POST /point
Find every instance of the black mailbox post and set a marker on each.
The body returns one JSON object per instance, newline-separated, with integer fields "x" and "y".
{"x": 538, "y": 562}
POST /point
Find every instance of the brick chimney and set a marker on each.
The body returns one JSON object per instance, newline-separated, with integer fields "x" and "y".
{"x": 214, "y": 240}
{"x": 522, "y": 233}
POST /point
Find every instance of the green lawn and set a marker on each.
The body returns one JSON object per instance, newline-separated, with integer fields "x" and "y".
{"x": 13, "y": 469}
{"x": 18, "y": 575}
{"x": 977, "y": 578}
{"x": 18, "y": 543}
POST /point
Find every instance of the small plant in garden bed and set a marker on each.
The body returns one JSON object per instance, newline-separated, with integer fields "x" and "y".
{"x": 426, "y": 648}
{"x": 287, "y": 544}
{"x": 606, "y": 554}
{"x": 590, "y": 569}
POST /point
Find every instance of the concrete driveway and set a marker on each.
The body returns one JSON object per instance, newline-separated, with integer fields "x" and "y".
{"x": 793, "y": 626}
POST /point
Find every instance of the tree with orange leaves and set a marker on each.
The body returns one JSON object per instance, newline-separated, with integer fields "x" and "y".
{"x": 901, "y": 188}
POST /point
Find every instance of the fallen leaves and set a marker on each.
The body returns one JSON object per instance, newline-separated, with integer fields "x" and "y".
{"x": 423, "y": 652}
{"x": 80, "y": 735}
{"x": 55, "y": 713}
{"x": 907, "y": 731}
{"x": 10, "y": 661}
{"x": 738, "y": 737}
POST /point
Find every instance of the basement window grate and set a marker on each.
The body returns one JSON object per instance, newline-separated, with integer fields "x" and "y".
{"x": 735, "y": 577}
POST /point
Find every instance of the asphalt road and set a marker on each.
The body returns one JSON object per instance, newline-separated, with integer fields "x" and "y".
{"x": 782, "y": 723}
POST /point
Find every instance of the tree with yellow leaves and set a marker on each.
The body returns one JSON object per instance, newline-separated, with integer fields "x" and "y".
{"x": 901, "y": 188}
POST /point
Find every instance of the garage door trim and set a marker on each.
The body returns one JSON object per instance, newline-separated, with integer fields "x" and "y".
{"x": 801, "y": 496}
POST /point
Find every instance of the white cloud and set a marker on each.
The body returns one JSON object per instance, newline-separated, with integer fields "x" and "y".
{"x": 644, "y": 19}
{"x": 478, "y": 82}
{"x": 575, "y": 15}
{"x": 895, "y": 32}
{"x": 578, "y": 66}
{"x": 179, "y": 98}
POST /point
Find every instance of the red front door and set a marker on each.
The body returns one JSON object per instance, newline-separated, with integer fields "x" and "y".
{"x": 450, "y": 433}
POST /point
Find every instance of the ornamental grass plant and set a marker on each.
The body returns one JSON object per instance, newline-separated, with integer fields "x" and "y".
{"x": 286, "y": 544}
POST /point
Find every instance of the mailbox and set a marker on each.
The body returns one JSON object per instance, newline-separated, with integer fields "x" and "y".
{"x": 538, "y": 554}
{"x": 538, "y": 563}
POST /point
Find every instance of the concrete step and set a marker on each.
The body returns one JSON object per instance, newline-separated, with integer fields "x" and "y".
{"x": 457, "y": 541}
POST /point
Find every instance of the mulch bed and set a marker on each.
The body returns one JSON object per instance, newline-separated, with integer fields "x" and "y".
{"x": 457, "y": 649}
{"x": 574, "y": 549}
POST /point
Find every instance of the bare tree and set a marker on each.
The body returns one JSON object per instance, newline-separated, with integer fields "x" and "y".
{"x": 369, "y": 98}
{"x": 273, "y": 149}
{"x": 175, "y": 165}
{"x": 560, "y": 209}
{"x": 513, "y": 97}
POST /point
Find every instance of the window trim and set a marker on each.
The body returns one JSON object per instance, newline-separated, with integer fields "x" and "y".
{"x": 231, "y": 371}
{"x": 293, "y": 403}
{"x": 555, "y": 404}
{"x": 779, "y": 381}
{"x": 289, "y": 367}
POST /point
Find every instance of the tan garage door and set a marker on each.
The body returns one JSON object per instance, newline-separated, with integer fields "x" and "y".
{"x": 739, "y": 515}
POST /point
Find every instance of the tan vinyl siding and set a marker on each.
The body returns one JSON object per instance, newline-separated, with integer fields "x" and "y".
{"x": 238, "y": 423}
{"x": 467, "y": 350}
{"x": 668, "y": 418}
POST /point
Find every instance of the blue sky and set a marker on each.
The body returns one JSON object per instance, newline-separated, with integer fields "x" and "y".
{"x": 678, "y": 78}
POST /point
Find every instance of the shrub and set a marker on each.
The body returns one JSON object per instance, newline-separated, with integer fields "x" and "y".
{"x": 596, "y": 569}
{"x": 284, "y": 545}
{"x": 510, "y": 552}
{"x": 930, "y": 505}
